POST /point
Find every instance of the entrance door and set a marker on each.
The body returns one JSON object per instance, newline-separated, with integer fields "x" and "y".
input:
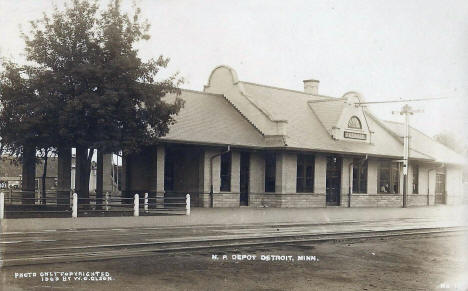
{"x": 440, "y": 188}
{"x": 333, "y": 180}
{"x": 244, "y": 178}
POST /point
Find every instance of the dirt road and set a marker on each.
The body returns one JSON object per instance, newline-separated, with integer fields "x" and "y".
{"x": 411, "y": 263}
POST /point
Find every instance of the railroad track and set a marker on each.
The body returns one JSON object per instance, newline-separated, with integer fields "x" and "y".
{"x": 13, "y": 257}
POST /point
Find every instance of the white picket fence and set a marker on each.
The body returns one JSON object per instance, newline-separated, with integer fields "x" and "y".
{"x": 105, "y": 204}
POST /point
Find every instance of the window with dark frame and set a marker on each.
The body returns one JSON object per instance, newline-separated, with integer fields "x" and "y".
{"x": 440, "y": 183}
{"x": 355, "y": 123}
{"x": 225, "y": 173}
{"x": 395, "y": 181}
{"x": 389, "y": 177}
{"x": 270, "y": 172}
{"x": 415, "y": 179}
{"x": 359, "y": 176}
{"x": 305, "y": 173}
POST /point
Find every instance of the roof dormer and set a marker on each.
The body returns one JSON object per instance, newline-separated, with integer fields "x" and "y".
{"x": 352, "y": 124}
{"x": 343, "y": 118}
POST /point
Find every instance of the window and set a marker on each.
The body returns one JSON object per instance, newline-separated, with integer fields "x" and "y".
{"x": 270, "y": 172}
{"x": 415, "y": 179}
{"x": 305, "y": 173}
{"x": 225, "y": 172}
{"x": 389, "y": 177}
{"x": 359, "y": 176}
{"x": 354, "y": 122}
{"x": 440, "y": 183}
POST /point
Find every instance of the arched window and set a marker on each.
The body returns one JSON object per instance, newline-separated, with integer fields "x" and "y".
{"x": 354, "y": 122}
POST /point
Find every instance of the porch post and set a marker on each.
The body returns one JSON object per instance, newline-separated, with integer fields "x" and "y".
{"x": 286, "y": 173}
{"x": 235, "y": 174}
{"x": 28, "y": 174}
{"x": 209, "y": 175}
{"x": 372, "y": 176}
{"x": 124, "y": 179}
{"x": 216, "y": 177}
{"x": 99, "y": 179}
{"x": 159, "y": 167}
{"x": 320, "y": 177}
{"x": 107, "y": 173}
{"x": 256, "y": 179}
{"x": 64, "y": 176}
{"x": 345, "y": 181}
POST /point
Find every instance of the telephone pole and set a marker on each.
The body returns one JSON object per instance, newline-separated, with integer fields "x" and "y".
{"x": 406, "y": 110}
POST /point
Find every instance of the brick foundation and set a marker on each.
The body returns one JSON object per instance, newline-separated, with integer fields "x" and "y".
{"x": 386, "y": 200}
{"x": 375, "y": 200}
{"x": 308, "y": 200}
{"x": 287, "y": 200}
{"x": 420, "y": 200}
{"x": 226, "y": 199}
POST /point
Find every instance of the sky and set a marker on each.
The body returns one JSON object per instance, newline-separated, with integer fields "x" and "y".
{"x": 386, "y": 50}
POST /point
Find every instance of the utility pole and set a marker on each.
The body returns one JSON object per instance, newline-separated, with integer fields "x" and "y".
{"x": 406, "y": 110}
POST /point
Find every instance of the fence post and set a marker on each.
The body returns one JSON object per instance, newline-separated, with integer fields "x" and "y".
{"x": 187, "y": 204}
{"x": 2, "y": 205}
{"x": 146, "y": 203}
{"x": 75, "y": 206}
{"x": 136, "y": 205}
{"x": 106, "y": 201}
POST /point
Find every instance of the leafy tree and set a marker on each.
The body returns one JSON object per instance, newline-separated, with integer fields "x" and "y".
{"x": 451, "y": 141}
{"x": 456, "y": 144}
{"x": 23, "y": 118}
{"x": 22, "y": 112}
{"x": 89, "y": 82}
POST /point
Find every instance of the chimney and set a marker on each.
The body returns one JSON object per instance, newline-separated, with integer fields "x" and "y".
{"x": 311, "y": 86}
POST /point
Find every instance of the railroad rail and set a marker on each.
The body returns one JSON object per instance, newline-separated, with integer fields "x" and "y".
{"x": 15, "y": 257}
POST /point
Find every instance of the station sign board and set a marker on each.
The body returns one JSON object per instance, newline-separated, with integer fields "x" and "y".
{"x": 355, "y": 135}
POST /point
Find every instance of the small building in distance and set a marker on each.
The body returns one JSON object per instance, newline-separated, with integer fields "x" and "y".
{"x": 11, "y": 175}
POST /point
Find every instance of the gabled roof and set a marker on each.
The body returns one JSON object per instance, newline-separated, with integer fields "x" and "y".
{"x": 328, "y": 112}
{"x": 241, "y": 113}
{"x": 304, "y": 129}
{"x": 210, "y": 119}
{"x": 223, "y": 80}
{"x": 420, "y": 142}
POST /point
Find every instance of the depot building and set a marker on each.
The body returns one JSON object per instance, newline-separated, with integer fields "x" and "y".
{"x": 238, "y": 143}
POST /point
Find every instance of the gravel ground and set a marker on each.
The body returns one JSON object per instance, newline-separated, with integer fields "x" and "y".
{"x": 433, "y": 262}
